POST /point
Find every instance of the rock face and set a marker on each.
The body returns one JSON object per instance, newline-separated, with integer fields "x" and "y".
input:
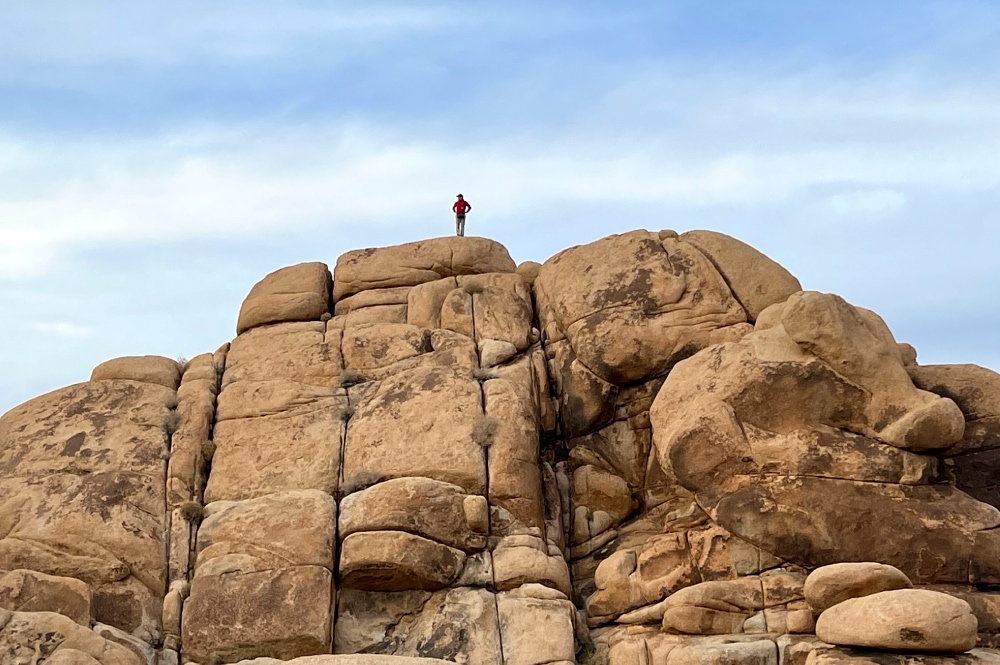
{"x": 654, "y": 449}
{"x": 905, "y": 619}
{"x": 830, "y": 585}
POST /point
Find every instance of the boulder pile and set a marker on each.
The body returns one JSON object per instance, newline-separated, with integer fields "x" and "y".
{"x": 654, "y": 449}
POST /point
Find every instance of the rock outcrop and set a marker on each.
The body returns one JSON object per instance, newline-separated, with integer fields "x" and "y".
{"x": 653, "y": 449}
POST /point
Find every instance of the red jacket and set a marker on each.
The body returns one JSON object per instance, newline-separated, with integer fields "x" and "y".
{"x": 461, "y": 207}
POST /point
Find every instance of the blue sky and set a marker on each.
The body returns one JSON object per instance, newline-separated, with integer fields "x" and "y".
{"x": 156, "y": 159}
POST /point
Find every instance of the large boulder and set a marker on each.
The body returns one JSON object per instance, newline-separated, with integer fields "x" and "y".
{"x": 756, "y": 280}
{"x": 296, "y": 293}
{"x": 416, "y": 263}
{"x": 397, "y": 561}
{"x": 31, "y": 591}
{"x": 145, "y": 369}
{"x": 418, "y": 422}
{"x": 26, "y": 637}
{"x": 791, "y": 436}
{"x": 974, "y": 462}
{"x": 830, "y": 585}
{"x": 430, "y": 508}
{"x": 82, "y": 494}
{"x": 904, "y": 619}
{"x": 632, "y": 305}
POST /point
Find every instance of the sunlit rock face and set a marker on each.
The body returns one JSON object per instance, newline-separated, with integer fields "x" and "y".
{"x": 654, "y": 449}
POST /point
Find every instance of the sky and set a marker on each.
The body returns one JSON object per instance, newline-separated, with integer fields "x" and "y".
{"x": 157, "y": 159}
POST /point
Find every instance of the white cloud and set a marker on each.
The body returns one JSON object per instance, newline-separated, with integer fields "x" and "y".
{"x": 64, "y": 329}
{"x": 864, "y": 203}
{"x": 217, "y": 183}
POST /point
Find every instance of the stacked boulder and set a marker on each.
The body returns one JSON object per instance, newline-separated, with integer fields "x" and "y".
{"x": 653, "y": 449}
{"x": 873, "y": 606}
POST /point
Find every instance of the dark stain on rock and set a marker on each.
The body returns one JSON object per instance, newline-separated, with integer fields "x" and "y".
{"x": 911, "y": 636}
{"x": 74, "y": 443}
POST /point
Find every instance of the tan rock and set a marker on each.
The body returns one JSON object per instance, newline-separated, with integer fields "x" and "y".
{"x": 627, "y": 303}
{"x": 457, "y": 313}
{"x": 222, "y": 621}
{"x": 274, "y": 531}
{"x": 757, "y": 281}
{"x": 296, "y": 293}
{"x": 535, "y": 631}
{"x": 514, "y": 566}
{"x": 31, "y": 591}
{"x": 600, "y": 492}
{"x": 417, "y": 423}
{"x": 494, "y": 352}
{"x": 515, "y": 481}
{"x": 713, "y": 608}
{"x": 829, "y": 585}
{"x": 619, "y": 446}
{"x": 456, "y": 625}
{"x": 586, "y": 401}
{"x": 397, "y": 561}
{"x": 424, "y": 302}
{"x": 439, "y": 511}
{"x": 376, "y": 315}
{"x": 795, "y": 649}
{"x": 297, "y": 449}
{"x": 835, "y": 656}
{"x": 250, "y": 399}
{"x": 303, "y": 352}
{"x": 351, "y": 659}
{"x": 528, "y": 270}
{"x": 368, "y": 347}
{"x": 200, "y": 368}
{"x": 144, "y": 369}
{"x": 140, "y": 648}
{"x": 372, "y": 298}
{"x": 24, "y": 636}
{"x": 82, "y": 494}
{"x": 860, "y": 347}
{"x": 904, "y": 619}
{"x": 757, "y": 652}
{"x": 975, "y": 459}
{"x": 417, "y": 262}
{"x": 727, "y": 419}
{"x": 500, "y": 313}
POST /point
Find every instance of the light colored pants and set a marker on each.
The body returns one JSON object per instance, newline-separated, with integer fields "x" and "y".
{"x": 460, "y": 225}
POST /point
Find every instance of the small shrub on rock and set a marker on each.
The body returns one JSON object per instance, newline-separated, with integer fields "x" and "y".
{"x": 484, "y": 431}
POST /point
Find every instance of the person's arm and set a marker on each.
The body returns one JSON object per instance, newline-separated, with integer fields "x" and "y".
{"x": 468, "y": 207}
{"x": 454, "y": 208}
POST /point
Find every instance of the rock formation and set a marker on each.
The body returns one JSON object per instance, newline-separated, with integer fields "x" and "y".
{"x": 654, "y": 449}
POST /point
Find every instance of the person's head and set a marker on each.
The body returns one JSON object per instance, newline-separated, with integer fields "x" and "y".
{"x": 460, "y": 197}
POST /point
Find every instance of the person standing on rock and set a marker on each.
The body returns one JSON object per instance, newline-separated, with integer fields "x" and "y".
{"x": 460, "y": 208}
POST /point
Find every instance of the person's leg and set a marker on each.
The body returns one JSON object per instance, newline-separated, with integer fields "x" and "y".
{"x": 463, "y": 226}
{"x": 458, "y": 225}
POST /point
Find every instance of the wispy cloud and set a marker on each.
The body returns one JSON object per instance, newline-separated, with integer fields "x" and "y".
{"x": 63, "y": 329}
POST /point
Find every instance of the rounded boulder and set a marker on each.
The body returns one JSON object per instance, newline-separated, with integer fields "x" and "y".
{"x": 829, "y": 585}
{"x": 901, "y": 620}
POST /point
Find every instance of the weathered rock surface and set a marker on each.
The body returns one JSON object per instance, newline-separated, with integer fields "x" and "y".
{"x": 295, "y": 293}
{"x": 144, "y": 369}
{"x": 416, "y": 263}
{"x": 653, "y": 449}
{"x": 631, "y": 305}
{"x": 26, "y": 637}
{"x": 834, "y": 656}
{"x": 31, "y": 591}
{"x": 82, "y": 492}
{"x": 745, "y": 405}
{"x": 756, "y": 280}
{"x": 830, "y": 585}
{"x": 904, "y": 619}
